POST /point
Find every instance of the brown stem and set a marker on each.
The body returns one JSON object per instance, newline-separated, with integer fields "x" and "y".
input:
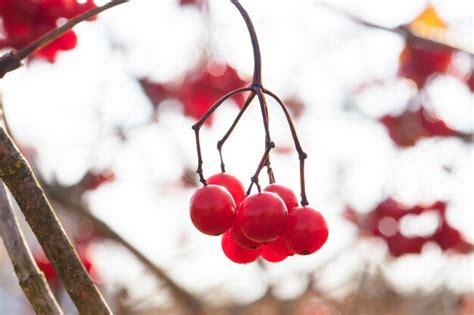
{"x": 12, "y": 60}
{"x": 254, "y": 179}
{"x": 269, "y": 144}
{"x": 301, "y": 154}
{"x": 222, "y": 141}
{"x": 17, "y": 175}
{"x": 30, "y": 278}
{"x": 197, "y": 126}
{"x": 257, "y": 72}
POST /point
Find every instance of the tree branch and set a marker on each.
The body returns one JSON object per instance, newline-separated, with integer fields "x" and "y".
{"x": 438, "y": 41}
{"x": 17, "y": 175}
{"x": 70, "y": 198}
{"x": 12, "y": 60}
{"x": 30, "y": 278}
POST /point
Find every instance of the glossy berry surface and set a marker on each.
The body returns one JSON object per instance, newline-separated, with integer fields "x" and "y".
{"x": 306, "y": 232}
{"x": 276, "y": 251}
{"x": 231, "y": 183}
{"x": 237, "y": 253}
{"x": 241, "y": 239}
{"x": 262, "y": 217}
{"x": 285, "y": 193}
{"x": 212, "y": 210}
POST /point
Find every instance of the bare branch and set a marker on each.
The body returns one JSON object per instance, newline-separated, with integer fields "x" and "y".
{"x": 30, "y": 278}
{"x": 17, "y": 175}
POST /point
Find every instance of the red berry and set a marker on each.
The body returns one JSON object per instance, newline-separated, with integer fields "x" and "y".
{"x": 236, "y": 253}
{"x": 262, "y": 217}
{"x": 286, "y": 194}
{"x": 276, "y": 251}
{"x": 241, "y": 239}
{"x": 212, "y": 210}
{"x": 419, "y": 63}
{"x": 306, "y": 232}
{"x": 231, "y": 183}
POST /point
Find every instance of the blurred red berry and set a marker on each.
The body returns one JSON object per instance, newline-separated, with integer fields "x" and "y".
{"x": 212, "y": 210}
{"x": 47, "y": 268}
{"x": 199, "y": 89}
{"x": 92, "y": 180}
{"x": 262, "y": 217}
{"x": 231, "y": 183}
{"x": 236, "y": 253}
{"x": 470, "y": 81}
{"x": 26, "y": 20}
{"x": 419, "y": 63}
{"x": 276, "y": 251}
{"x": 406, "y": 129}
{"x": 383, "y": 222}
{"x": 307, "y": 231}
{"x": 197, "y": 3}
{"x": 286, "y": 194}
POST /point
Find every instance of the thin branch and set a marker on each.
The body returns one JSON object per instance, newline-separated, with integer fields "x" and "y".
{"x": 18, "y": 176}
{"x": 31, "y": 279}
{"x": 12, "y": 60}
{"x": 301, "y": 154}
{"x": 222, "y": 141}
{"x": 254, "y": 179}
{"x": 69, "y": 198}
{"x": 402, "y": 30}
{"x": 197, "y": 126}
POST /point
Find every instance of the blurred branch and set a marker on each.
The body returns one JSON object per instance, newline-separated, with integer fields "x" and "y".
{"x": 402, "y": 30}
{"x": 12, "y": 60}
{"x": 18, "y": 176}
{"x": 70, "y": 198}
{"x": 31, "y": 279}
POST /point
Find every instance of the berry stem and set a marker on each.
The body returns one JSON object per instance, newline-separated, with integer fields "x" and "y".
{"x": 254, "y": 179}
{"x": 222, "y": 141}
{"x": 257, "y": 73}
{"x": 301, "y": 154}
{"x": 12, "y": 60}
{"x": 197, "y": 126}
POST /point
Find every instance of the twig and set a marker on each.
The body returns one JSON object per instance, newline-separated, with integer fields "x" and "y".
{"x": 30, "y": 278}
{"x": 12, "y": 60}
{"x": 197, "y": 126}
{"x": 402, "y": 30}
{"x": 69, "y": 197}
{"x": 17, "y": 175}
{"x": 302, "y": 156}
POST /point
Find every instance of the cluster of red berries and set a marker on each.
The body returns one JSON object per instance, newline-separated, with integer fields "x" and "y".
{"x": 269, "y": 224}
{"x": 26, "y": 20}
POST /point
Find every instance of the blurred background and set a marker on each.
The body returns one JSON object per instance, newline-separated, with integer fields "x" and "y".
{"x": 385, "y": 115}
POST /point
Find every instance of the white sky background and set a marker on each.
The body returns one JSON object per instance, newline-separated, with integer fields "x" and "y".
{"x": 66, "y": 111}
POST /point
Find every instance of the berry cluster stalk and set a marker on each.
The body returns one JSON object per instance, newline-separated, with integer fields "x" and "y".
{"x": 255, "y": 89}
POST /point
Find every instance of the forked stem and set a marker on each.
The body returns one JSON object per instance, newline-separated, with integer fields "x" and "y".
{"x": 222, "y": 141}
{"x": 301, "y": 154}
{"x": 197, "y": 126}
